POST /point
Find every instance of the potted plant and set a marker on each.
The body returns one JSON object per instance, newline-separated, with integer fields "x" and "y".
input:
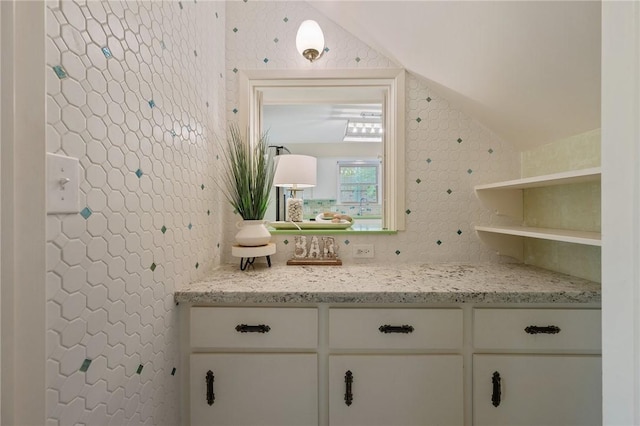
{"x": 247, "y": 179}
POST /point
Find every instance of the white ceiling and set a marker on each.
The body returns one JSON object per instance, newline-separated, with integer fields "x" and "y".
{"x": 529, "y": 70}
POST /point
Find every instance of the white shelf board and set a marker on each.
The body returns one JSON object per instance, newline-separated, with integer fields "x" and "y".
{"x": 568, "y": 236}
{"x": 564, "y": 178}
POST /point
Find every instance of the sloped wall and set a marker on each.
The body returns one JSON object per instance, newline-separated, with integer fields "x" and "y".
{"x": 447, "y": 152}
{"x": 135, "y": 90}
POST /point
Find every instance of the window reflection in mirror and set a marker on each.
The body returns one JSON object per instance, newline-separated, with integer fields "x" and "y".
{"x": 352, "y": 121}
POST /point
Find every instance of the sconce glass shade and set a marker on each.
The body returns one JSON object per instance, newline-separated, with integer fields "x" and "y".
{"x": 310, "y": 40}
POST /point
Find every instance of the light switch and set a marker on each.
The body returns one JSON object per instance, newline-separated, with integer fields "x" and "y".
{"x": 63, "y": 184}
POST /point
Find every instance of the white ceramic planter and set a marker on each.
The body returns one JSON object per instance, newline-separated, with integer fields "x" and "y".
{"x": 252, "y": 233}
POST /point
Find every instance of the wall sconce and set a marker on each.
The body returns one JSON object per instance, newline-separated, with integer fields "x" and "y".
{"x": 310, "y": 40}
{"x": 295, "y": 172}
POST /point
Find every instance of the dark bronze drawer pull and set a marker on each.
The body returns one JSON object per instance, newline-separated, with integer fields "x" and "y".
{"x": 244, "y": 328}
{"x": 495, "y": 395}
{"x": 406, "y": 329}
{"x": 348, "y": 380}
{"x": 535, "y": 329}
{"x": 211, "y": 397}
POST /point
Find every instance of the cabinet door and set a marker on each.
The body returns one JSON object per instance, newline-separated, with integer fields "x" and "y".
{"x": 254, "y": 389}
{"x": 537, "y": 390}
{"x": 395, "y": 390}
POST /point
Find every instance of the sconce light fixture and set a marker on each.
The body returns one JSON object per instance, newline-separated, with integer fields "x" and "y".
{"x": 295, "y": 173}
{"x": 310, "y": 40}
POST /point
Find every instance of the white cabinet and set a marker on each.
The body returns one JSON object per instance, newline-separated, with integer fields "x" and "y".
{"x": 506, "y": 199}
{"x": 253, "y": 366}
{"x": 550, "y": 390}
{"x": 383, "y": 384}
{"x": 537, "y": 367}
{"x": 395, "y": 390}
{"x": 254, "y": 389}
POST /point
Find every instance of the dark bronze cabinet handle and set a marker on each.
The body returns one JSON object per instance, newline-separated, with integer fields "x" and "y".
{"x": 535, "y": 329}
{"x": 495, "y": 395}
{"x": 406, "y": 329}
{"x": 210, "y": 395}
{"x": 244, "y": 328}
{"x": 348, "y": 380}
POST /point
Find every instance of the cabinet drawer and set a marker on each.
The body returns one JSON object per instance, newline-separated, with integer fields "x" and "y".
{"x": 264, "y": 327}
{"x": 543, "y": 329}
{"x": 425, "y": 328}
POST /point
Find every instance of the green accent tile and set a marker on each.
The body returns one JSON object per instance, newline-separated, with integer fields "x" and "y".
{"x": 347, "y": 242}
{"x": 190, "y": 226}
{"x": 202, "y": 186}
{"x": 428, "y": 99}
{"x": 207, "y": 104}
{"x": 286, "y": 242}
{"x": 162, "y": 45}
{"x": 195, "y": 53}
{"x": 459, "y": 232}
{"x": 235, "y": 30}
{"x": 140, "y": 367}
{"x": 418, "y": 180}
{"x": 181, "y": 7}
{"x": 459, "y": 140}
{"x": 398, "y": 252}
{"x": 235, "y": 70}
{"x": 357, "y": 59}
{"x": 173, "y": 133}
{"x": 326, "y": 49}
{"x": 275, "y": 40}
{"x": 469, "y": 171}
{"x": 85, "y": 365}
{"x": 429, "y": 160}
{"x": 286, "y": 19}
{"x": 265, "y": 60}
{"x": 197, "y": 265}
{"x": 490, "y": 151}
{"x": 217, "y": 15}
{"x": 107, "y": 52}
{"x": 60, "y": 72}
{"x": 163, "y": 229}
{"x": 218, "y": 245}
{"x": 407, "y": 211}
{"x": 86, "y": 212}
{"x": 153, "y": 267}
{"x": 139, "y": 173}
{"x": 449, "y": 191}
{"x": 418, "y": 119}
{"x": 173, "y": 371}
{"x": 235, "y": 110}
{"x": 208, "y": 212}
{"x": 439, "y": 242}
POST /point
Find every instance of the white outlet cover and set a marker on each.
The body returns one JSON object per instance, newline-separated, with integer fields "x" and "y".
{"x": 63, "y": 184}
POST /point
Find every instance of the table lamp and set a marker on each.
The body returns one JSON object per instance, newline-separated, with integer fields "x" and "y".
{"x": 295, "y": 173}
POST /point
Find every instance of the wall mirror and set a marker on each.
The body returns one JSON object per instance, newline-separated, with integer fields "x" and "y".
{"x": 352, "y": 121}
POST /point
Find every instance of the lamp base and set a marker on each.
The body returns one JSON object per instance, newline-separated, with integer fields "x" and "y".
{"x": 294, "y": 209}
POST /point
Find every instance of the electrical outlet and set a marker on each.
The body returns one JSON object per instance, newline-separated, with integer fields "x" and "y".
{"x": 363, "y": 250}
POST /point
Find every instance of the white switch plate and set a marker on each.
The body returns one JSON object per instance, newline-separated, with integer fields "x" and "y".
{"x": 63, "y": 184}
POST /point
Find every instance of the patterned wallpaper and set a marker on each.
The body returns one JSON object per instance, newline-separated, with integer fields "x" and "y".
{"x": 136, "y": 92}
{"x": 447, "y": 152}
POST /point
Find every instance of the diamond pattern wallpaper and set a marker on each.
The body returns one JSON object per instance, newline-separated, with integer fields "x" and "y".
{"x": 447, "y": 152}
{"x": 141, "y": 92}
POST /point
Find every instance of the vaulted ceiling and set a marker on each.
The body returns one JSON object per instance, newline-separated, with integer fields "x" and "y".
{"x": 528, "y": 70}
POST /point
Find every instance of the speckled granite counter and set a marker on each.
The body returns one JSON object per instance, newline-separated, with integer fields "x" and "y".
{"x": 402, "y": 283}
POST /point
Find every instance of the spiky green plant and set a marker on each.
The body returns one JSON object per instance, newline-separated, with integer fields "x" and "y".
{"x": 248, "y": 175}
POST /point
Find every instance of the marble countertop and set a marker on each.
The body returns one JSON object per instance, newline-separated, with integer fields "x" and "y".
{"x": 398, "y": 283}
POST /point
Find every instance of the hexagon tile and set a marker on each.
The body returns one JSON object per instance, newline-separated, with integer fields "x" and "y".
{"x": 128, "y": 97}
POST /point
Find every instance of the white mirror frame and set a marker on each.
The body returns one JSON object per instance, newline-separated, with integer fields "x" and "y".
{"x": 391, "y": 81}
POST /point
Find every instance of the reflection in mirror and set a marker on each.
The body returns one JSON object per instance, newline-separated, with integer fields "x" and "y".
{"x": 346, "y": 139}
{"x": 353, "y": 126}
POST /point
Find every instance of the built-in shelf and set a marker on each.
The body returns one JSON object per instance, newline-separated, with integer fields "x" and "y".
{"x": 568, "y": 236}
{"x": 564, "y": 178}
{"x": 506, "y": 199}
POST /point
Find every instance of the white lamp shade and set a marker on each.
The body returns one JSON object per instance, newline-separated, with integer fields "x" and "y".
{"x": 295, "y": 171}
{"x": 310, "y": 37}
